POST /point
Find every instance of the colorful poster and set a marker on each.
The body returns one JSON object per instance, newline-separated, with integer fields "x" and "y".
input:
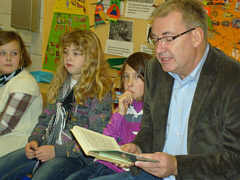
{"x": 61, "y": 23}
{"x": 70, "y": 6}
{"x": 225, "y": 26}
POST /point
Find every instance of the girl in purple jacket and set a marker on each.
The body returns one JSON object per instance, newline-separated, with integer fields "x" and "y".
{"x": 126, "y": 121}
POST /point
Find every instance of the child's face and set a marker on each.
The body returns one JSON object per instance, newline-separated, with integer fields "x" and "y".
{"x": 133, "y": 83}
{"x": 9, "y": 57}
{"x": 73, "y": 60}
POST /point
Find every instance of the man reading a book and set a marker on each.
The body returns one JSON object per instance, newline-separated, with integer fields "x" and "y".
{"x": 191, "y": 117}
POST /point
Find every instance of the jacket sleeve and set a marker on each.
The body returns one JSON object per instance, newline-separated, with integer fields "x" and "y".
{"x": 39, "y": 132}
{"x": 224, "y": 163}
{"x": 113, "y": 128}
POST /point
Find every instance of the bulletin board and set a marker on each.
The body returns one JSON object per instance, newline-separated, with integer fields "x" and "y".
{"x": 64, "y": 16}
{"x": 61, "y": 22}
{"x": 139, "y": 29}
{"x": 224, "y": 32}
{"x": 224, "y": 28}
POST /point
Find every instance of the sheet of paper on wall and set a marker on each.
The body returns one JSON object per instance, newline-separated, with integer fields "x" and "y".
{"x": 120, "y": 41}
{"x": 140, "y": 9}
{"x": 119, "y": 48}
{"x": 146, "y": 49}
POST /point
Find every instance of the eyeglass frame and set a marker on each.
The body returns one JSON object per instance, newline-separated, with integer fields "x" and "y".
{"x": 150, "y": 39}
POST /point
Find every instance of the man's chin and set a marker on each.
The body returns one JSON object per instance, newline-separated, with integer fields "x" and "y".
{"x": 166, "y": 69}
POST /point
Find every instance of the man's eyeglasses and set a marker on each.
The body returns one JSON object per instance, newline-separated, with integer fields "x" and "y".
{"x": 164, "y": 39}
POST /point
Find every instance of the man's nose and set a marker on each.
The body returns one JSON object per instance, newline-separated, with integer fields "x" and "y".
{"x": 161, "y": 45}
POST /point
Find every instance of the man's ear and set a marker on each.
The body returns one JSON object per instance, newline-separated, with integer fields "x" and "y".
{"x": 197, "y": 36}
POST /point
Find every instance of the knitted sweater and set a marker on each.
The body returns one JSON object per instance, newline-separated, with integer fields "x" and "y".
{"x": 124, "y": 128}
{"x": 21, "y": 83}
{"x": 93, "y": 115}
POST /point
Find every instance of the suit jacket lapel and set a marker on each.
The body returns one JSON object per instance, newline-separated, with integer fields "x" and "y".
{"x": 164, "y": 104}
{"x": 205, "y": 83}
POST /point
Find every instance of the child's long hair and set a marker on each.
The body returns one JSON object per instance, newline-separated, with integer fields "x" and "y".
{"x": 9, "y": 36}
{"x": 137, "y": 61}
{"x": 95, "y": 79}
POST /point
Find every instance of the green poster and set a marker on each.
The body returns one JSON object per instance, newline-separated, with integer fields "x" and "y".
{"x": 61, "y": 23}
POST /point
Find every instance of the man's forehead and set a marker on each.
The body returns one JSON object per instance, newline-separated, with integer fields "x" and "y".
{"x": 167, "y": 25}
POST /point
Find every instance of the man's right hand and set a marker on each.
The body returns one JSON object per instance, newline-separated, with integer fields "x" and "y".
{"x": 30, "y": 149}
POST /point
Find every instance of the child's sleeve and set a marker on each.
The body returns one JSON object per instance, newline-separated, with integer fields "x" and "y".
{"x": 39, "y": 131}
{"x": 13, "y": 111}
{"x": 98, "y": 117}
{"x": 114, "y": 126}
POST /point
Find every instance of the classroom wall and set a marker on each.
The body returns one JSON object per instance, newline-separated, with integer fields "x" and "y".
{"x": 222, "y": 32}
{"x": 33, "y": 40}
{"x": 139, "y": 29}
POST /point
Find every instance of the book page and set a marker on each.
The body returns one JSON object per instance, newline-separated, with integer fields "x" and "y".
{"x": 94, "y": 141}
{"x": 104, "y": 147}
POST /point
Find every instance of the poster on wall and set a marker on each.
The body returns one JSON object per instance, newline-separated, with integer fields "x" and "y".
{"x": 61, "y": 23}
{"x": 120, "y": 40}
{"x": 140, "y": 9}
{"x": 225, "y": 26}
{"x": 70, "y": 6}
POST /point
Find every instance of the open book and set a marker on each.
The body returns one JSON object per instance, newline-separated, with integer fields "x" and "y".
{"x": 104, "y": 147}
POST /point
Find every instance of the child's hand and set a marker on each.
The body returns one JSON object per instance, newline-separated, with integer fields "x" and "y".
{"x": 30, "y": 149}
{"x": 45, "y": 153}
{"x": 124, "y": 101}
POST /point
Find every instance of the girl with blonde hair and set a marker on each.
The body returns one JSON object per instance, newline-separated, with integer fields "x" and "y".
{"x": 80, "y": 94}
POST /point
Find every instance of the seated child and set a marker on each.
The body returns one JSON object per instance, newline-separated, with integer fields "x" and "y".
{"x": 79, "y": 94}
{"x": 126, "y": 121}
{"x": 20, "y": 98}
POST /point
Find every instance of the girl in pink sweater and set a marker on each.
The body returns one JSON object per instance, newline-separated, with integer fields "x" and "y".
{"x": 126, "y": 121}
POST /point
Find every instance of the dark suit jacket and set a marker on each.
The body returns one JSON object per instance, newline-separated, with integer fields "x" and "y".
{"x": 213, "y": 141}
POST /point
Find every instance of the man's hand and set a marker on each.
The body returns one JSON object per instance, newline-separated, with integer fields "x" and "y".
{"x": 30, "y": 149}
{"x": 166, "y": 165}
{"x": 45, "y": 153}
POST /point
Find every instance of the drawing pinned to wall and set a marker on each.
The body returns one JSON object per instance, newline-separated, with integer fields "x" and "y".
{"x": 100, "y": 16}
{"x": 71, "y": 6}
{"x": 61, "y": 23}
{"x": 107, "y": 11}
{"x": 113, "y": 11}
